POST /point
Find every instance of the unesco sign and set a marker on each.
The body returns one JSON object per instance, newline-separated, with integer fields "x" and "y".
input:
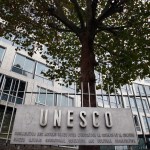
{"x": 39, "y": 125}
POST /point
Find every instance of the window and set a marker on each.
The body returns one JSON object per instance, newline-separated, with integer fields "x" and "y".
{"x": 127, "y": 104}
{"x": 8, "y": 121}
{"x": 12, "y": 90}
{"x": 113, "y": 102}
{"x": 24, "y": 66}
{"x": 65, "y": 100}
{"x": 139, "y": 104}
{"x": 136, "y": 122}
{"x": 147, "y": 89}
{"x": 106, "y": 101}
{"x": 50, "y": 98}
{"x": 119, "y": 101}
{"x": 2, "y": 51}
{"x": 145, "y": 105}
{"x": 100, "y": 101}
{"x": 30, "y": 68}
{"x": 145, "y": 123}
{"x": 40, "y": 69}
{"x": 129, "y": 89}
{"x": 45, "y": 97}
{"x": 139, "y": 89}
{"x": 132, "y": 103}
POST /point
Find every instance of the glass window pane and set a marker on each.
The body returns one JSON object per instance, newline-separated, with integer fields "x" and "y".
{"x": 40, "y": 68}
{"x": 100, "y": 101}
{"x": 64, "y": 101}
{"x": 141, "y": 90}
{"x": 7, "y": 85}
{"x": 145, "y": 104}
{"x": 50, "y": 98}
{"x": 1, "y": 81}
{"x": 19, "y": 100}
{"x": 148, "y": 119}
{"x": 71, "y": 104}
{"x": 136, "y": 122}
{"x": 14, "y": 87}
{"x": 106, "y": 104}
{"x": 127, "y": 102}
{"x": 58, "y": 99}
{"x": 139, "y": 103}
{"x": 132, "y": 102}
{"x": 19, "y": 61}
{"x": 2, "y": 50}
{"x": 11, "y": 99}
{"x": 42, "y": 96}
{"x": 29, "y": 65}
{"x": 113, "y": 99}
{"x": 145, "y": 124}
{"x": 11, "y": 88}
{"x": 21, "y": 89}
{"x": 147, "y": 89}
{"x": 4, "y": 97}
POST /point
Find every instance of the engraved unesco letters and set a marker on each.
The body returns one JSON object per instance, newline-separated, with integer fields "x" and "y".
{"x": 57, "y": 118}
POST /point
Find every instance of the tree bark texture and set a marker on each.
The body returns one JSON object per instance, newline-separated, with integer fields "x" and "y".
{"x": 87, "y": 71}
{"x": 88, "y": 78}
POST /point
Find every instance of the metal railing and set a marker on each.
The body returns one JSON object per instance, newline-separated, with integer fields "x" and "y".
{"x": 117, "y": 99}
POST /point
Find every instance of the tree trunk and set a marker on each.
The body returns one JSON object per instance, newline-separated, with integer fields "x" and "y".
{"x": 87, "y": 71}
{"x": 89, "y": 147}
{"x": 88, "y": 98}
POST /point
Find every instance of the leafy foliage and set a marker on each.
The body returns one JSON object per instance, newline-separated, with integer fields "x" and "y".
{"x": 120, "y": 32}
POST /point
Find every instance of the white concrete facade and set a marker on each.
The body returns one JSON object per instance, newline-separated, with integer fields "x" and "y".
{"x": 32, "y": 84}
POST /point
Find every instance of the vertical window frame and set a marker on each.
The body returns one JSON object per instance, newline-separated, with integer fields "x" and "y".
{"x": 1, "y": 59}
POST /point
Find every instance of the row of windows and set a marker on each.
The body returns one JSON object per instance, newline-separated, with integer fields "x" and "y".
{"x": 27, "y": 67}
{"x": 50, "y": 98}
{"x": 109, "y": 101}
{"x": 138, "y": 89}
{"x": 5, "y": 124}
{"x": 11, "y": 89}
{"x": 33, "y": 69}
{"x": 14, "y": 90}
{"x": 30, "y": 68}
{"x": 146, "y": 123}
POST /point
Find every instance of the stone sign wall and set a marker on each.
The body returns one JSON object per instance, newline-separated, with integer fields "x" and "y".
{"x": 37, "y": 125}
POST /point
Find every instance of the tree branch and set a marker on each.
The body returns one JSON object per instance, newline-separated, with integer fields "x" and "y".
{"x": 117, "y": 29}
{"x": 111, "y": 29}
{"x": 112, "y": 6}
{"x": 94, "y": 7}
{"x": 78, "y": 10}
{"x": 59, "y": 14}
{"x": 88, "y": 13}
{"x": 54, "y": 26}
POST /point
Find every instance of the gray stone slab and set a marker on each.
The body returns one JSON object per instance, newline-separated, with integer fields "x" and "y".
{"x": 40, "y": 125}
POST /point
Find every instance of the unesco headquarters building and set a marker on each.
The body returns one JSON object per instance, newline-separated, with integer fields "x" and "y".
{"x": 22, "y": 83}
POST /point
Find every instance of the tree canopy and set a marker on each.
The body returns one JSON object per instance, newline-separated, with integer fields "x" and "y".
{"x": 117, "y": 32}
